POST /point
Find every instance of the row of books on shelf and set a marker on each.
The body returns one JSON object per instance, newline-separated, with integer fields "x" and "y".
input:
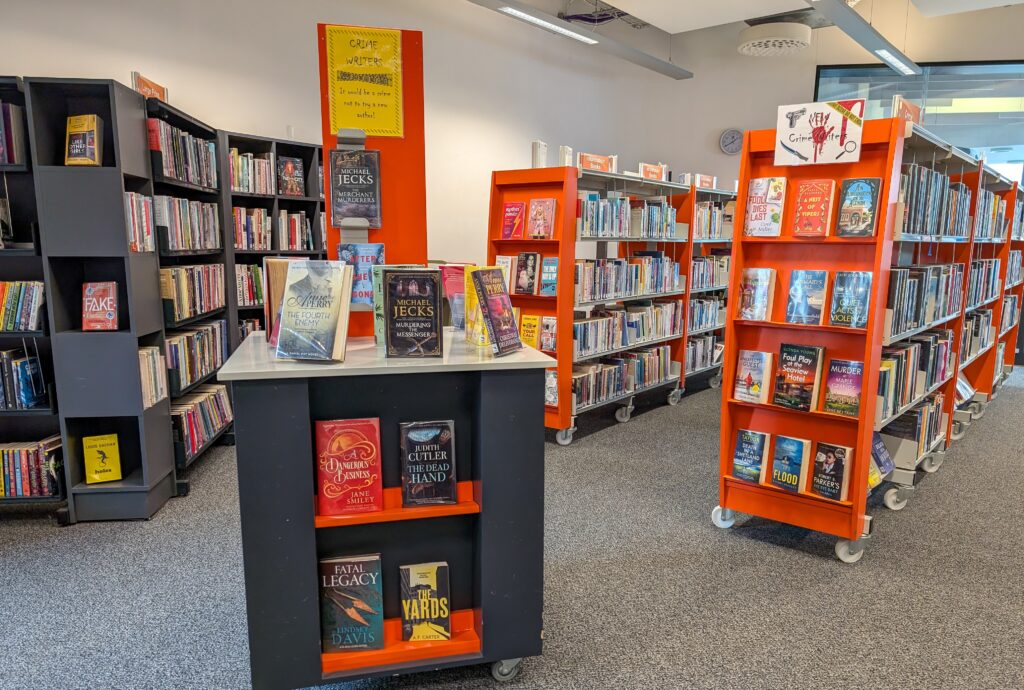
{"x": 153, "y": 374}
{"x": 13, "y": 149}
{"x": 983, "y": 284}
{"x": 200, "y": 415}
{"x": 30, "y": 468}
{"x": 189, "y": 224}
{"x": 908, "y": 371}
{"x": 625, "y": 217}
{"x": 197, "y": 351}
{"x": 21, "y": 305}
{"x": 1010, "y": 313}
{"x": 934, "y": 205}
{"x": 922, "y": 295}
{"x": 705, "y": 313}
{"x": 851, "y": 294}
{"x": 991, "y": 222}
{"x": 978, "y": 333}
{"x": 294, "y": 231}
{"x": 184, "y": 157}
{"x": 21, "y": 380}
{"x": 703, "y": 352}
{"x": 1017, "y": 220}
{"x": 538, "y": 224}
{"x": 611, "y": 328}
{"x": 644, "y": 273}
{"x": 253, "y": 228}
{"x": 249, "y": 285}
{"x": 813, "y": 214}
{"x": 786, "y": 464}
{"x": 247, "y": 327}
{"x": 139, "y": 223}
{"x": 709, "y": 271}
{"x": 621, "y": 375}
{"x": 192, "y": 290}
{"x": 713, "y": 220}
{"x": 1013, "y": 266}
{"x": 253, "y": 173}
{"x": 539, "y": 332}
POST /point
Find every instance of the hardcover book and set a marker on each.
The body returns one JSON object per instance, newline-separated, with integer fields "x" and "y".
{"x": 549, "y": 333}
{"x": 83, "y": 144}
{"x": 757, "y": 292}
{"x": 541, "y": 224}
{"x": 314, "y": 311}
{"x": 812, "y": 211}
{"x": 426, "y": 602}
{"x": 806, "y": 297}
{"x": 830, "y": 475}
{"x": 428, "y": 463}
{"x": 851, "y": 293}
{"x": 765, "y": 198}
{"x": 789, "y": 463}
{"x": 549, "y": 276}
{"x": 355, "y": 186}
{"x": 748, "y": 460}
{"x": 99, "y": 306}
{"x": 798, "y": 376}
{"x": 412, "y": 311}
{"x": 843, "y": 387}
{"x": 362, "y": 258}
{"x": 351, "y": 604}
{"x": 858, "y": 207}
{"x": 529, "y": 330}
{"x": 496, "y": 311}
{"x": 526, "y": 278}
{"x": 379, "y": 321}
{"x": 291, "y": 177}
{"x": 513, "y": 218}
{"x": 348, "y": 466}
{"x": 101, "y": 458}
{"x": 753, "y": 369}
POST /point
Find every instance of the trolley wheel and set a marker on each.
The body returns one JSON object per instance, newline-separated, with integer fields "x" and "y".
{"x": 181, "y": 488}
{"x": 931, "y": 464}
{"x": 715, "y": 381}
{"x": 847, "y": 552}
{"x": 978, "y": 411}
{"x": 675, "y": 396}
{"x": 63, "y": 517}
{"x": 958, "y": 431}
{"x": 723, "y": 518}
{"x": 564, "y": 436}
{"x": 892, "y": 499}
{"x": 505, "y": 670}
{"x": 623, "y": 413}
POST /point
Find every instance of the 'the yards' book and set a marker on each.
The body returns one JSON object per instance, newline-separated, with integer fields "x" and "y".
{"x": 513, "y": 218}
{"x": 496, "y": 311}
{"x": 314, "y": 311}
{"x": 348, "y": 466}
{"x": 798, "y": 376}
{"x": 748, "y": 460}
{"x": 428, "y": 463}
{"x": 830, "y": 477}
{"x": 351, "y": 604}
{"x": 765, "y": 197}
{"x": 843, "y": 387}
{"x": 806, "y": 297}
{"x": 753, "y": 372}
{"x": 412, "y": 313}
{"x": 426, "y": 602}
{"x": 757, "y": 292}
{"x": 789, "y": 463}
{"x": 99, "y": 306}
{"x": 812, "y": 212}
{"x": 851, "y": 293}
{"x": 858, "y": 207}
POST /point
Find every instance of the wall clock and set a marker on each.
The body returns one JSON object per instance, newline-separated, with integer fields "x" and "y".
{"x": 731, "y": 141}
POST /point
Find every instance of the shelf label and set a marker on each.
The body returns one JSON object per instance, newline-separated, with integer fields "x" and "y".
{"x": 364, "y": 79}
{"x": 819, "y": 133}
{"x": 148, "y": 87}
{"x": 592, "y": 161}
{"x": 650, "y": 171}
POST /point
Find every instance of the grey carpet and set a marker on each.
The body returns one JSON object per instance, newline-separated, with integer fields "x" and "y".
{"x": 642, "y": 591}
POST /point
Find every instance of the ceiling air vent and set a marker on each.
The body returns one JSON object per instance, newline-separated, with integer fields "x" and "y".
{"x": 778, "y": 38}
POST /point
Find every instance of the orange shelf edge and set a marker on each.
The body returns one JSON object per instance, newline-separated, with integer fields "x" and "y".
{"x": 395, "y": 512}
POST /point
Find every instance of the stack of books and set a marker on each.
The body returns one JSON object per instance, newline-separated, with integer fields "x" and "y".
{"x": 197, "y": 352}
{"x": 13, "y": 150}
{"x": 189, "y": 291}
{"x": 248, "y": 326}
{"x": 978, "y": 333}
{"x": 199, "y": 416}
{"x": 138, "y": 214}
{"x": 184, "y": 157}
{"x": 991, "y": 221}
{"x": 922, "y": 295}
{"x": 21, "y": 381}
{"x": 709, "y": 271}
{"x": 189, "y": 224}
{"x": 21, "y": 305}
{"x": 252, "y": 228}
{"x": 249, "y": 285}
{"x": 1010, "y": 313}
{"x": 29, "y": 468}
{"x": 600, "y": 279}
{"x": 984, "y": 282}
{"x": 613, "y": 328}
{"x": 621, "y": 216}
{"x": 912, "y": 368}
{"x": 251, "y": 173}
{"x": 294, "y": 231}
{"x": 703, "y": 352}
{"x": 933, "y": 204}
{"x": 712, "y": 220}
{"x": 615, "y": 377}
{"x": 153, "y": 372}
{"x": 706, "y": 313}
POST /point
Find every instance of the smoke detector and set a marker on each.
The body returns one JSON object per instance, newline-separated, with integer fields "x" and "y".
{"x": 773, "y": 39}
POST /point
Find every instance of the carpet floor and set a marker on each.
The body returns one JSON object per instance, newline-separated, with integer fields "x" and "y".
{"x": 641, "y": 590}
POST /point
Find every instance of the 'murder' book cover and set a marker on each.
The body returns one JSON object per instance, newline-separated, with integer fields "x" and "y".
{"x": 351, "y": 604}
{"x": 428, "y": 463}
{"x": 348, "y": 466}
{"x": 426, "y": 602}
{"x": 496, "y": 308}
{"x": 412, "y": 313}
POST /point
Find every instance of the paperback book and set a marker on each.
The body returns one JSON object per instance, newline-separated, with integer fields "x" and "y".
{"x": 757, "y": 292}
{"x": 84, "y": 141}
{"x": 527, "y": 268}
{"x": 851, "y": 294}
{"x": 549, "y": 276}
{"x": 362, "y": 258}
{"x": 314, "y": 311}
{"x": 812, "y": 211}
{"x": 806, "y": 297}
{"x": 351, "y": 604}
{"x": 355, "y": 186}
{"x": 348, "y": 466}
{"x": 541, "y": 224}
{"x": 830, "y": 476}
{"x": 765, "y": 198}
{"x": 453, "y": 278}
{"x": 426, "y": 602}
{"x": 549, "y": 333}
{"x": 101, "y": 458}
{"x": 748, "y": 461}
{"x": 753, "y": 369}
{"x": 428, "y": 463}
{"x": 291, "y": 177}
{"x": 513, "y": 218}
{"x": 798, "y": 376}
{"x": 789, "y": 462}
{"x": 412, "y": 312}
{"x": 858, "y": 207}
{"x": 529, "y": 330}
{"x": 496, "y": 311}
{"x": 99, "y": 306}
{"x": 843, "y": 387}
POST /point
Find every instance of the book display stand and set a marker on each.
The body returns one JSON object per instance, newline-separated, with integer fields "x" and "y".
{"x": 492, "y": 539}
{"x": 887, "y": 146}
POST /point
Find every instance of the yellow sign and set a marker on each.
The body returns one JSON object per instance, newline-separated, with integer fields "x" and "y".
{"x": 364, "y": 79}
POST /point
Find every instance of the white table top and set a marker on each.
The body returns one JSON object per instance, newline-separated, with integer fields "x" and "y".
{"x": 253, "y": 360}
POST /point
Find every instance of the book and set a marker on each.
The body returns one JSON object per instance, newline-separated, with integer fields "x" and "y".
{"x": 275, "y": 275}
{"x": 799, "y": 376}
{"x": 858, "y": 207}
{"x": 765, "y": 197}
{"x": 748, "y": 460}
{"x": 551, "y": 387}
{"x": 529, "y": 330}
{"x": 13, "y": 144}
{"x": 851, "y": 294}
{"x": 476, "y": 331}
{"x": 880, "y": 455}
{"x": 355, "y": 186}
{"x": 549, "y": 276}
{"x": 99, "y": 306}
{"x": 379, "y": 321}
{"x": 496, "y": 311}
{"x": 426, "y": 602}
{"x": 843, "y": 387}
{"x": 757, "y": 293}
{"x": 83, "y": 144}
{"x": 348, "y": 465}
{"x": 314, "y": 311}
{"x": 549, "y": 333}
{"x": 453, "y": 279}
{"x": 830, "y": 476}
{"x": 526, "y": 273}
{"x": 812, "y": 210}
{"x": 428, "y": 463}
{"x": 507, "y": 264}
{"x": 291, "y": 176}
{"x": 806, "y": 297}
{"x": 753, "y": 369}
{"x": 412, "y": 313}
{"x": 541, "y": 223}
{"x": 351, "y": 604}
{"x": 6, "y": 224}
{"x": 101, "y": 458}
{"x": 362, "y": 258}
{"x": 789, "y": 462}
{"x": 513, "y": 218}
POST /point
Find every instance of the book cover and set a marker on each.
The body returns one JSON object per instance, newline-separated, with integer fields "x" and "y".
{"x": 549, "y": 333}
{"x": 806, "y": 297}
{"x": 83, "y": 144}
{"x": 880, "y": 455}
{"x": 99, "y": 306}
{"x": 812, "y": 210}
{"x": 378, "y": 298}
{"x": 496, "y": 310}
{"x": 798, "y": 376}
{"x": 513, "y": 218}
{"x": 858, "y": 207}
{"x": 749, "y": 456}
{"x": 351, "y": 604}
{"x": 348, "y": 466}
{"x": 753, "y": 369}
{"x": 551, "y": 387}
{"x": 757, "y": 292}
{"x": 412, "y": 311}
{"x": 453, "y": 279}
{"x": 765, "y": 197}
{"x": 843, "y": 387}
{"x": 314, "y": 311}
{"x": 526, "y": 278}
{"x": 426, "y": 607}
{"x": 830, "y": 474}
{"x": 476, "y": 331}
{"x": 291, "y": 176}
{"x": 541, "y": 223}
{"x": 851, "y": 294}
{"x": 102, "y": 458}
{"x": 28, "y": 382}
{"x": 362, "y": 258}
{"x": 428, "y": 463}
{"x": 789, "y": 462}
{"x": 549, "y": 276}
{"x": 355, "y": 186}
{"x": 529, "y": 330}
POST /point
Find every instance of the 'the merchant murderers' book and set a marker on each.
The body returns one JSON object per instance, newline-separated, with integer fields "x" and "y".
{"x": 428, "y": 463}
{"x": 748, "y": 460}
{"x": 355, "y": 186}
{"x": 348, "y": 466}
{"x": 362, "y": 258}
{"x": 830, "y": 475}
{"x": 496, "y": 311}
{"x": 314, "y": 311}
{"x": 412, "y": 311}
{"x": 426, "y": 602}
{"x": 351, "y": 604}
{"x": 99, "y": 306}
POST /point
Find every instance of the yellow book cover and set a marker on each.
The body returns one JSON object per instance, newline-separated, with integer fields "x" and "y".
{"x": 476, "y": 332}
{"x": 529, "y": 331}
{"x": 84, "y": 142}
{"x": 426, "y": 608}
{"x": 102, "y": 459}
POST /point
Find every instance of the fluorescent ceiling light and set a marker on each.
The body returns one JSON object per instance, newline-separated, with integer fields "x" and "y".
{"x": 894, "y": 62}
{"x": 857, "y": 28}
{"x": 546, "y": 25}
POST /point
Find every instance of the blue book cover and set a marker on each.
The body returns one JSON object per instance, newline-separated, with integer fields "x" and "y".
{"x": 881, "y": 455}
{"x": 851, "y": 295}
{"x": 788, "y": 462}
{"x": 806, "y": 297}
{"x": 351, "y": 604}
{"x": 362, "y": 258}
{"x": 31, "y": 391}
{"x": 751, "y": 447}
{"x": 549, "y": 276}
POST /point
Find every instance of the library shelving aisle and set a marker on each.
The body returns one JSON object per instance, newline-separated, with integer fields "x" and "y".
{"x": 492, "y": 539}
{"x": 1015, "y": 276}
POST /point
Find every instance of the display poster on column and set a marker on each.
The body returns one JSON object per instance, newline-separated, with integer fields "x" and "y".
{"x": 819, "y": 133}
{"x": 364, "y": 79}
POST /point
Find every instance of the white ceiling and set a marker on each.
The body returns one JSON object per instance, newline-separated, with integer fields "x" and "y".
{"x": 935, "y": 8}
{"x": 676, "y": 16}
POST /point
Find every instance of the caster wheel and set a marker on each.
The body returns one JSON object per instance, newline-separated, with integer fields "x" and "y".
{"x": 181, "y": 488}
{"x": 63, "y": 518}
{"x": 564, "y": 436}
{"x": 715, "y": 381}
{"x": 623, "y": 414}
{"x": 978, "y": 412}
{"x": 846, "y": 553}
{"x": 675, "y": 396}
{"x": 722, "y": 517}
{"x": 892, "y": 499}
{"x": 958, "y": 431}
{"x": 931, "y": 464}
{"x": 504, "y": 671}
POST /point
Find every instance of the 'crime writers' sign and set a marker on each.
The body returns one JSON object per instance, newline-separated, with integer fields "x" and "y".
{"x": 819, "y": 133}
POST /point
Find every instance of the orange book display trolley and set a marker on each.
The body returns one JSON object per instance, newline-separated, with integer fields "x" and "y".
{"x": 887, "y": 147}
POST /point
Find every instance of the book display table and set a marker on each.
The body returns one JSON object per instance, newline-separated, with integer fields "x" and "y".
{"x": 492, "y": 539}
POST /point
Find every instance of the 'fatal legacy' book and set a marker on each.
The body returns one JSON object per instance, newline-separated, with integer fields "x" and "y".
{"x": 412, "y": 313}
{"x": 428, "y": 463}
{"x": 351, "y": 604}
{"x": 348, "y": 466}
{"x": 314, "y": 311}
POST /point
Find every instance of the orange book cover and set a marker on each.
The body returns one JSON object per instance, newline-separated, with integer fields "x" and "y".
{"x": 99, "y": 306}
{"x": 812, "y": 210}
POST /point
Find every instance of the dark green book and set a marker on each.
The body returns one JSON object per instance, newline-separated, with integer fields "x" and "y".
{"x": 351, "y": 603}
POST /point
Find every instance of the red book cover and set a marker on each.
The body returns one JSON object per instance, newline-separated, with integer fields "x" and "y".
{"x": 153, "y": 132}
{"x": 348, "y": 466}
{"x": 99, "y": 306}
{"x": 513, "y": 215}
{"x": 812, "y": 211}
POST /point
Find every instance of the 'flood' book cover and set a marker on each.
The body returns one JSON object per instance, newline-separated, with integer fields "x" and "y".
{"x": 348, "y": 466}
{"x": 412, "y": 310}
{"x": 751, "y": 451}
{"x": 806, "y": 297}
{"x": 351, "y": 604}
{"x": 428, "y": 463}
{"x": 496, "y": 311}
{"x": 314, "y": 311}
{"x": 830, "y": 476}
{"x": 426, "y": 602}
{"x": 789, "y": 464}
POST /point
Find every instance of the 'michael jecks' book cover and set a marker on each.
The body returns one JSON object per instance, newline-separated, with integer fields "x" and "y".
{"x": 412, "y": 313}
